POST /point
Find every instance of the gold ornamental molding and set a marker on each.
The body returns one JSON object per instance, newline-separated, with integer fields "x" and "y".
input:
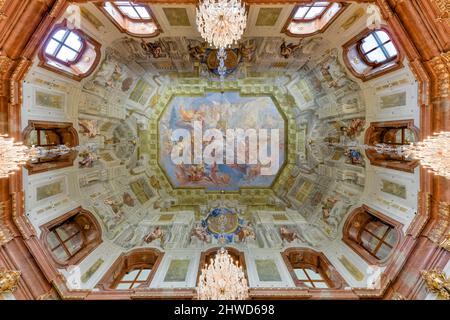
{"x": 442, "y": 224}
{"x": 446, "y": 242}
{"x": 441, "y": 68}
{"x": 444, "y": 10}
{"x": 437, "y": 282}
{"x": 9, "y": 280}
{"x": 2, "y": 14}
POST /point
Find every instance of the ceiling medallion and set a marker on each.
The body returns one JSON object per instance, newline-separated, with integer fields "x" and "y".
{"x": 221, "y": 23}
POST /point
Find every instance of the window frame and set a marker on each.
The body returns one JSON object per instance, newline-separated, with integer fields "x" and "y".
{"x": 45, "y": 59}
{"x": 90, "y": 242}
{"x": 380, "y": 241}
{"x": 310, "y": 5}
{"x": 123, "y": 29}
{"x": 353, "y": 240}
{"x": 310, "y": 280}
{"x": 375, "y": 70}
{"x": 62, "y": 243}
{"x": 133, "y": 5}
{"x": 62, "y": 44}
{"x": 291, "y": 19}
{"x": 135, "y": 280}
{"x": 363, "y": 55}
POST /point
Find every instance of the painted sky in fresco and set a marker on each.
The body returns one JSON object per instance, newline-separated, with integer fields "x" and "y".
{"x": 220, "y": 111}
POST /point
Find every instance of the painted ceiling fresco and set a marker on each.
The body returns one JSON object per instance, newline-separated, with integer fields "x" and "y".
{"x": 222, "y": 111}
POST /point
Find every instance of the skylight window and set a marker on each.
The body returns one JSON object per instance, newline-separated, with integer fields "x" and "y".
{"x": 311, "y": 18}
{"x": 311, "y": 11}
{"x": 65, "y": 46}
{"x": 378, "y": 48}
{"x": 131, "y": 18}
{"x": 133, "y": 11}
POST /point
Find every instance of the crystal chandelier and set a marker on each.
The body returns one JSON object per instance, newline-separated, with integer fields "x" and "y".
{"x": 12, "y": 156}
{"x": 222, "y": 279}
{"x": 433, "y": 152}
{"x": 221, "y": 23}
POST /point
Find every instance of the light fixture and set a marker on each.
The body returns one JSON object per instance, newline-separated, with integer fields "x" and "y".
{"x": 221, "y": 23}
{"x": 433, "y": 153}
{"x": 222, "y": 279}
{"x": 12, "y": 156}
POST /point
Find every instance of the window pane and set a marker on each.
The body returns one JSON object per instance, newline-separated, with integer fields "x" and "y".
{"x": 130, "y": 12}
{"x": 66, "y": 230}
{"x": 383, "y": 252}
{"x": 300, "y": 274}
{"x": 300, "y": 14}
{"x": 73, "y": 41}
{"x": 369, "y": 43}
{"x": 142, "y": 12}
{"x": 321, "y": 285}
{"x": 390, "y": 48}
{"x": 66, "y": 54}
{"x": 313, "y": 275}
{"x": 136, "y": 285}
{"x": 321, "y": 4}
{"x": 43, "y": 136}
{"x": 376, "y": 56}
{"x": 60, "y": 254}
{"x": 59, "y": 35}
{"x": 377, "y": 228}
{"x": 123, "y": 286}
{"x": 409, "y": 136}
{"x": 391, "y": 238}
{"x": 144, "y": 275}
{"x": 383, "y": 36}
{"x": 130, "y": 276}
{"x": 314, "y": 12}
{"x": 52, "y": 240}
{"x": 51, "y": 47}
{"x": 308, "y": 284}
{"x": 368, "y": 241}
{"x": 74, "y": 244}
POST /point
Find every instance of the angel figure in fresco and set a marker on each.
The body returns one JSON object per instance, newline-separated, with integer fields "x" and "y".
{"x": 354, "y": 157}
{"x": 218, "y": 179}
{"x": 90, "y": 127}
{"x": 115, "y": 205}
{"x": 247, "y": 50}
{"x": 89, "y": 157}
{"x": 288, "y": 234}
{"x": 328, "y": 204}
{"x": 246, "y": 232}
{"x": 287, "y": 50}
{"x": 354, "y": 128}
{"x": 253, "y": 172}
{"x": 201, "y": 234}
{"x": 188, "y": 116}
{"x": 157, "y": 234}
{"x": 127, "y": 199}
{"x": 198, "y": 52}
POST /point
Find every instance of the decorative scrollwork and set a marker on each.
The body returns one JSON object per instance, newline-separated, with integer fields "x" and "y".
{"x": 437, "y": 282}
{"x": 9, "y": 280}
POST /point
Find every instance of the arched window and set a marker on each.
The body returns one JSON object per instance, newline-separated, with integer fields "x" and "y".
{"x": 70, "y": 238}
{"x": 394, "y": 133}
{"x": 132, "y": 270}
{"x": 48, "y": 136}
{"x": 310, "y": 18}
{"x": 312, "y": 270}
{"x": 372, "y": 53}
{"x": 70, "y": 52}
{"x": 135, "y": 19}
{"x": 371, "y": 234}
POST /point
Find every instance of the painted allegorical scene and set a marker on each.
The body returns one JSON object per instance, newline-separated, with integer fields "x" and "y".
{"x": 222, "y": 111}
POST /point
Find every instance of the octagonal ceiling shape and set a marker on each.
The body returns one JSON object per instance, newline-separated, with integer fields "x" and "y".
{"x": 239, "y": 159}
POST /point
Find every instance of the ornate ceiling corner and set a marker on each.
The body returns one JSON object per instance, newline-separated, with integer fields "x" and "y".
{"x": 440, "y": 66}
{"x": 437, "y": 282}
{"x": 444, "y": 9}
{"x": 9, "y": 279}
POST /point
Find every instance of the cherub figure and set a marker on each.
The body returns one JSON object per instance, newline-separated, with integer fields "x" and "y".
{"x": 287, "y": 50}
{"x": 288, "y": 235}
{"x": 156, "y": 234}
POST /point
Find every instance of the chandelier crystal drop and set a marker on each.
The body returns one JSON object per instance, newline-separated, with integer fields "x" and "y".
{"x": 221, "y": 22}
{"x": 222, "y": 279}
